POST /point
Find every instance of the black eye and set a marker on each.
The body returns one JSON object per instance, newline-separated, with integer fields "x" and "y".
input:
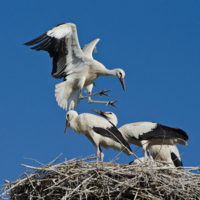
{"x": 110, "y": 113}
{"x": 120, "y": 74}
{"x": 67, "y": 115}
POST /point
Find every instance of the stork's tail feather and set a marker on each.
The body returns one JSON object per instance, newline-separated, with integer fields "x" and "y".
{"x": 73, "y": 100}
{"x": 66, "y": 97}
{"x": 181, "y": 141}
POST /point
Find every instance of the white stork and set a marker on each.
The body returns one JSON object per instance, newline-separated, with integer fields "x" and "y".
{"x": 75, "y": 65}
{"x": 146, "y": 134}
{"x": 167, "y": 153}
{"x": 98, "y": 130}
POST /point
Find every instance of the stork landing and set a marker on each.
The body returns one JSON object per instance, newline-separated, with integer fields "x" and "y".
{"x": 75, "y": 65}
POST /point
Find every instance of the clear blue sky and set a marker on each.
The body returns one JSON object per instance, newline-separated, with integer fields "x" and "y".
{"x": 157, "y": 43}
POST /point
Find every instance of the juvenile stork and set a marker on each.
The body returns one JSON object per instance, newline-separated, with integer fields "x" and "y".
{"x": 98, "y": 130}
{"x": 146, "y": 134}
{"x": 75, "y": 65}
{"x": 167, "y": 153}
{"x": 140, "y": 160}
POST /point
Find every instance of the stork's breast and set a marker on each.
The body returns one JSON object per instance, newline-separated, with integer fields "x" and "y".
{"x": 90, "y": 77}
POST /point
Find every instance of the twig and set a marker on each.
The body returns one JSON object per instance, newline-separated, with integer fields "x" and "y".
{"x": 136, "y": 195}
{"x": 36, "y": 192}
{"x": 79, "y": 186}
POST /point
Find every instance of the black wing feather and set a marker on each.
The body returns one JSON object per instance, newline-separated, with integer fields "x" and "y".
{"x": 161, "y": 132}
{"x": 43, "y": 45}
{"x": 36, "y": 40}
{"x": 59, "y": 64}
{"x": 113, "y": 130}
{"x": 57, "y": 48}
{"x": 50, "y": 44}
{"x": 176, "y": 161}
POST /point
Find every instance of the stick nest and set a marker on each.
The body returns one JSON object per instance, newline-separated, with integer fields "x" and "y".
{"x": 82, "y": 178}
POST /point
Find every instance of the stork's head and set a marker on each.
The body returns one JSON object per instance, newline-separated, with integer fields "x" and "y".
{"x": 110, "y": 116}
{"x": 71, "y": 115}
{"x": 120, "y": 74}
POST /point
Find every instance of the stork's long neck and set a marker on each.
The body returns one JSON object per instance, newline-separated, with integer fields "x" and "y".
{"x": 107, "y": 72}
{"x": 77, "y": 126}
{"x": 102, "y": 70}
{"x": 73, "y": 125}
{"x": 113, "y": 120}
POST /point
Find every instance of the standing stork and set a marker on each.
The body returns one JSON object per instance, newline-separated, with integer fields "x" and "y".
{"x": 75, "y": 65}
{"x": 167, "y": 153}
{"x": 146, "y": 134}
{"x": 98, "y": 130}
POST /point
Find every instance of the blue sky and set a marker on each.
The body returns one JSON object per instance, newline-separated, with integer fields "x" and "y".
{"x": 157, "y": 43}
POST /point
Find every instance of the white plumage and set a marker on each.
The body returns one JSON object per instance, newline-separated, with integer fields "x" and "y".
{"x": 141, "y": 160}
{"x": 167, "y": 153}
{"x": 98, "y": 130}
{"x": 76, "y": 66}
{"x": 160, "y": 152}
{"x": 146, "y": 134}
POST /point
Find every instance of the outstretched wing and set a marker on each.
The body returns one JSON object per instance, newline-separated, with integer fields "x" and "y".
{"x": 62, "y": 44}
{"x": 90, "y": 48}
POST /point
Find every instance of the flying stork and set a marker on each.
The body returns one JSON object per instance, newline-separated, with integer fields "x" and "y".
{"x": 146, "y": 134}
{"x": 167, "y": 153}
{"x": 75, "y": 65}
{"x": 98, "y": 130}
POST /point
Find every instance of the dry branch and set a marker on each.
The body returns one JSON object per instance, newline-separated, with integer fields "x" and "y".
{"x": 82, "y": 178}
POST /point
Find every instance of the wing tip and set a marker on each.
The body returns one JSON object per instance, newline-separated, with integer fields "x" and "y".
{"x": 36, "y": 40}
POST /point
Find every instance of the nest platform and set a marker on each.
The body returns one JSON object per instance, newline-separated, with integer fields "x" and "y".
{"x": 83, "y": 178}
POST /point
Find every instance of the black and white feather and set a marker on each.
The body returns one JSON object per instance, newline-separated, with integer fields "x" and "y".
{"x": 175, "y": 156}
{"x": 167, "y": 153}
{"x": 146, "y": 134}
{"x": 62, "y": 44}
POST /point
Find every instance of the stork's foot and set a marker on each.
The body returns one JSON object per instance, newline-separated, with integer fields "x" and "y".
{"x": 112, "y": 103}
{"x": 81, "y": 97}
{"x": 103, "y": 92}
